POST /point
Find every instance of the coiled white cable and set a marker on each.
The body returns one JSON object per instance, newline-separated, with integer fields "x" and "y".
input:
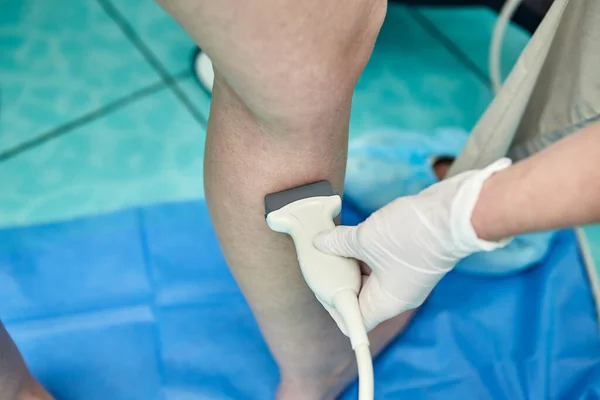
{"x": 504, "y": 18}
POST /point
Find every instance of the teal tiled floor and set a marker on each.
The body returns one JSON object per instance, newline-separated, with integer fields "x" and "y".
{"x": 198, "y": 96}
{"x": 470, "y": 29}
{"x": 58, "y": 63}
{"x": 150, "y": 150}
{"x": 163, "y": 36}
{"x": 89, "y": 125}
{"x": 414, "y": 82}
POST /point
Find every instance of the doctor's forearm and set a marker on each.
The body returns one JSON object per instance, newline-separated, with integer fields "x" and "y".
{"x": 556, "y": 188}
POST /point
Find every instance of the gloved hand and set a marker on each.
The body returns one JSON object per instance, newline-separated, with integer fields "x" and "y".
{"x": 411, "y": 243}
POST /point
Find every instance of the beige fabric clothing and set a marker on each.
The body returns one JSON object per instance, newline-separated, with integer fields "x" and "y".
{"x": 553, "y": 90}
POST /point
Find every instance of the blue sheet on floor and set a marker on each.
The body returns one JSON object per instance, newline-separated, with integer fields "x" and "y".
{"x": 139, "y": 304}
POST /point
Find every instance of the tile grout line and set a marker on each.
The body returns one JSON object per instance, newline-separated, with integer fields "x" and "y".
{"x": 80, "y": 121}
{"x": 170, "y": 81}
{"x": 154, "y": 61}
{"x": 452, "y": 47}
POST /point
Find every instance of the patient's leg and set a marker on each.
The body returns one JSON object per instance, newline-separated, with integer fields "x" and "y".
{"x": 243, "y": 164}
{"x": 16, "y": 383}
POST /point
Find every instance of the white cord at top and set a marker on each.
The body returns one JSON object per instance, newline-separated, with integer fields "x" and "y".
{"x": 506, "y": 14}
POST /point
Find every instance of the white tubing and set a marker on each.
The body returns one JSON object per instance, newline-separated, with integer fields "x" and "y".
{"x": 346, "y": 304}
{"x": 506, "y": 14}
{"x": 366, "y": 380}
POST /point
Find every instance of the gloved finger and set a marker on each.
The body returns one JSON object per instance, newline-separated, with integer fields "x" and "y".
{"x": 377, "y": 304}
{"x": 336, "y": 317}
{"x": 341, "y": 241}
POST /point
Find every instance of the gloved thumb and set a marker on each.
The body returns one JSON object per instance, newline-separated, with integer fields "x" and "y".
{"x": 341, "y": 241}
{"x": 377, "y": 304}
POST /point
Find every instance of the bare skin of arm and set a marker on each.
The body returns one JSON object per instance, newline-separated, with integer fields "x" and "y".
{"x": 285, "y": 72}
{"x": 556, "y": 188}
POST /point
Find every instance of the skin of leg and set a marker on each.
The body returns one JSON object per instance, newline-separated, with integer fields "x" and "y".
{"x": 242, "y": 165}
{"x": 285, "y": 73}
{"x": 16, "y": 383}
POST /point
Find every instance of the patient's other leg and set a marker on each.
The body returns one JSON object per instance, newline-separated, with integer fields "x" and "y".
{"x": 16, "y": 383}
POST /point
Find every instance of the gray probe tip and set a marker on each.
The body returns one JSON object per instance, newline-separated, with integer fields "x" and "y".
{"x": 275, "y": 201}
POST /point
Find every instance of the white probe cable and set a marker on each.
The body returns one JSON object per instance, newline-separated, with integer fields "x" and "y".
{"x": 346, "y": 304}
{"x": 366, "y": 381}
{"x": 504, "y": 18}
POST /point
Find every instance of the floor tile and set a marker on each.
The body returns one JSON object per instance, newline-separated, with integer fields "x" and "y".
{"x": 410, "y": 72}
{"x": 413, "y": 82}
{"x": 159, "y": 31}
{"x": 96, "y": 356}
{"x": 156, "y": 148}
{"x": 470, "y": 28}
{"x": 70, "y": 267}
{"x": 199, "y": 97}
{"x": 60, "y": 62}
{"x": 149, "y": 151}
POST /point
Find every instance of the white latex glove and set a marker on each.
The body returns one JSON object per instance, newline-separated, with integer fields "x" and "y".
{"x": 411, "y": 243}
